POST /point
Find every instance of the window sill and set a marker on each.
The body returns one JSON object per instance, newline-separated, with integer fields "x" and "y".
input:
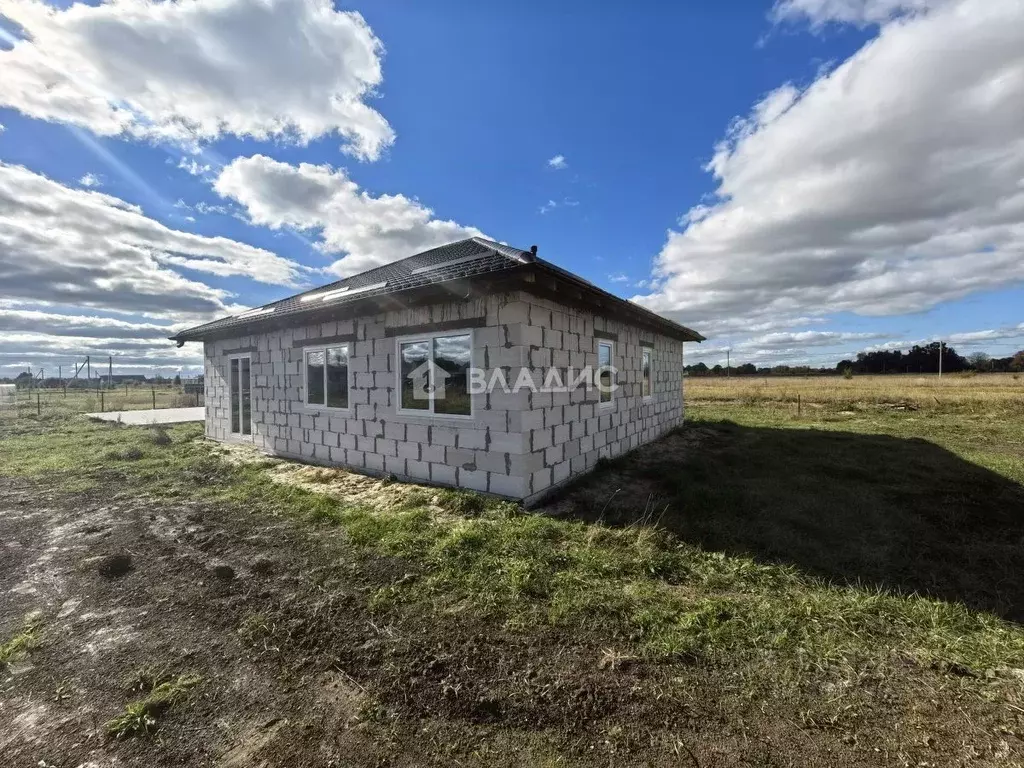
{"x": 426, "y": 417}
{"x": 330, "y": 408}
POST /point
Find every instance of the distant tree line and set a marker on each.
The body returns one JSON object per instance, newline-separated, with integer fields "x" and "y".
{"x": 919, "y": 359}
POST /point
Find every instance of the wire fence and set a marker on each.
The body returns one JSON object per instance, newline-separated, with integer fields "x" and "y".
{"x": 65, "y": 400}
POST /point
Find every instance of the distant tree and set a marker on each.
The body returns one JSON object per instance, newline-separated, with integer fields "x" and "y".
{"x": 177, "y": 379}
{"x": 717, "y": 370}
{"x": 23, "y": 379}
{"x": 980, "y": 361}
{"x": 1017, "y": 363}
{"x": 746, "y": 368}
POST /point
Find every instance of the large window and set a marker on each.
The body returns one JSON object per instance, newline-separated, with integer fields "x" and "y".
{"x": 645, "y": 374}
{"x": 604, "y": 365}
{"x": 433, "y": 374}
{"x": 327, "y": 376}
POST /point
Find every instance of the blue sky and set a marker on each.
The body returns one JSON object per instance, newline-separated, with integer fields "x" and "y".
{"x": 798, "y": 180}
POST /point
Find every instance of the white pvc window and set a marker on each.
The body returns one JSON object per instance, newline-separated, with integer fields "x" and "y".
{"x": 327, "y": 376}
{"x": 605, "y": 351}
{"x": 433, "y": 374}
{"x": 645, "y": 374}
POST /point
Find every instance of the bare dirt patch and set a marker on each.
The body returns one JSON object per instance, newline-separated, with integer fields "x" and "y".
{"x": 349, "y": 487}
{"x": 296, "y": 664}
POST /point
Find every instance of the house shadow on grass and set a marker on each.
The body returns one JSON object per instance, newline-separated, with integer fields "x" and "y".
{"x": 869, "y": 510}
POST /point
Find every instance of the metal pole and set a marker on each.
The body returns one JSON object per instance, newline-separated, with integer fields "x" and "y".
{"x": 153, "y": 390}
{"x": 101, "y": 401}
{"x": 110, "y": 371}
{"x": 39, "y": 406}
{"x": 940, "y": 359}
{"x": 88, "y": 368}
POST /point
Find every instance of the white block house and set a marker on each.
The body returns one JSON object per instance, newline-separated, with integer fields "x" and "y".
{"x": 462, "y": 366}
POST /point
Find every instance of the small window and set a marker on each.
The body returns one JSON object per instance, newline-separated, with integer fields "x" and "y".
{"x": 327, "y": 376}
{"x": 604, "y": 364}
{"x": 434, "y": 374}
{"x": 645, "y": 374}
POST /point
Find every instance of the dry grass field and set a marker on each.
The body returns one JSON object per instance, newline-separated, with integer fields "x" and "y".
{"x": 967, "y": 393}
{"x": 830, "y": 583}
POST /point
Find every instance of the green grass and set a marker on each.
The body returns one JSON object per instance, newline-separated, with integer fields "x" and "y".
{"x": 784, "y": 543}
{"x": 22, "y": 642}
{"x": 141, "y": 717}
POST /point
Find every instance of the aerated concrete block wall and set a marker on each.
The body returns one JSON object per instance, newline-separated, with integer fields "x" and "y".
{"x": 520, "y": 445}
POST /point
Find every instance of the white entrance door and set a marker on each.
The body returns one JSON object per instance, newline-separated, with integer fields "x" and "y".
{"x": 241, "y": 400}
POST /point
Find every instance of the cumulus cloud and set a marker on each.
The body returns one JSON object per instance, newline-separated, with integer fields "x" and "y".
{"x": 859, "y": 12}
{"x": 369, "y": 230}
{"x": 558, "y": 162}
{"x": 198, "y": 69}
{"x": 57, "y": 324}
{"x": 890, "y": 184}
{"x": 90, "y": 180}
{"x": 83, "y": 248}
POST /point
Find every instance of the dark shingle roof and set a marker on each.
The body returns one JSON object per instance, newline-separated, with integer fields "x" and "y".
{"x": 473, "y": 257}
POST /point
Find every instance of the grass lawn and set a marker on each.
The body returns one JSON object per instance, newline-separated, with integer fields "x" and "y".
{"x": 840, "y": 586}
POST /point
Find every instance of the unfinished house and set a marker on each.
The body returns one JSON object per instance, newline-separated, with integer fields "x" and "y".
{"x": 474, "y": 365}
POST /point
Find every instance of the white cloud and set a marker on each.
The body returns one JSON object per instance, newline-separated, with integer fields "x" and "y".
{"x": 804, "y": 339}
{"x": 83, "y": 248}
{"x": 19, "y": 351}
{"x": 859, "y": 12}
{"x": 558, "y": 162}
{"x": 550, "y": 205}
{"x": 618, "y": 277}
{"x": 370, "y": 230}
{"x": 90, "y": 180}
{"x": 890, "y": 184}
{"x": 981, "y": 338}
{"x": 57, "y": 324}
{"x": 198, "y": 69}
{"x": 192, "y": 166}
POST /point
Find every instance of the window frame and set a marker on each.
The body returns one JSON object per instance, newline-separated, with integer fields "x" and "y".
{"x": 429, "y": 337}
{"x": 647, "y": 352}
{"x": 305, "y": 377}
{"x": 611, "y": 362}
{"x": 240, "y": 435}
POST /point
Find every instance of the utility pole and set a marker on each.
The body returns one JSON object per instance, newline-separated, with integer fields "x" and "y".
{"x": 110, "y": 371}
{"x": 88, "y": 368}
{"x": 727, "y": 368}
{"x": 940, "y": 359}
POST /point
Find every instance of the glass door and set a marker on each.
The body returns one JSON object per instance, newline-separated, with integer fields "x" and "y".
{"x": 241, "y": 399}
